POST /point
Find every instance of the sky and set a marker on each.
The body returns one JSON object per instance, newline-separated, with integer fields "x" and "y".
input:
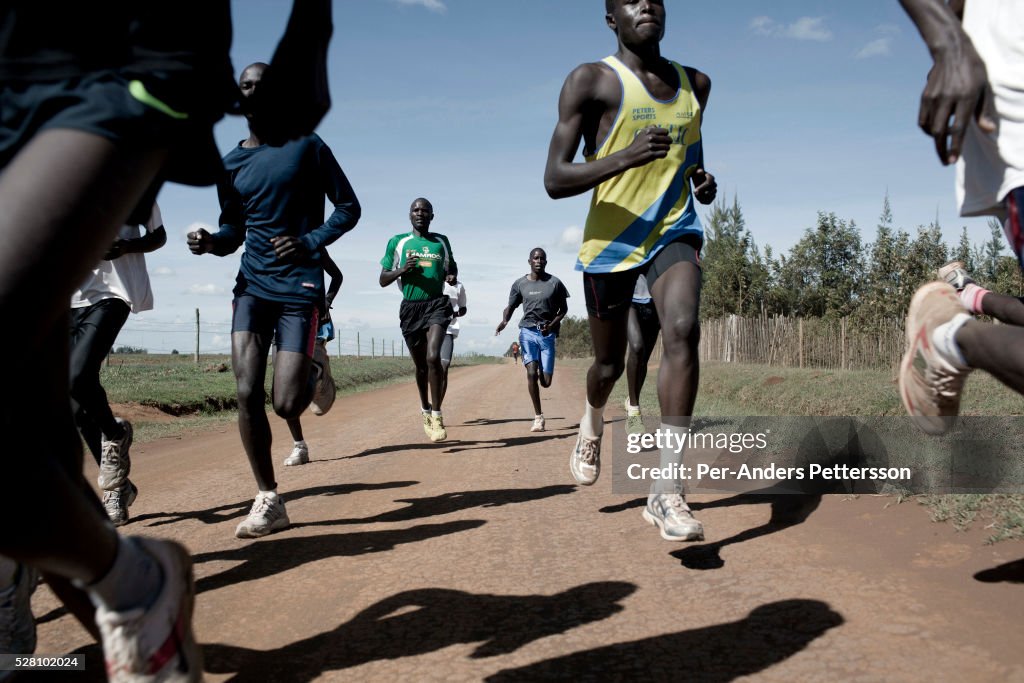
{"x": 813, "y": 108}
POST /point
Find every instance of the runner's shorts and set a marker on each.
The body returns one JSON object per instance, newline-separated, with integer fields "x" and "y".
{"x": 292, "y": 325}
{"x": 447, "y": 349}
{"x": 537, "y": 347}
{"x": 416, "y": 317}
{"x": 1012, "y": 227}
{"x": 610, "y": 294}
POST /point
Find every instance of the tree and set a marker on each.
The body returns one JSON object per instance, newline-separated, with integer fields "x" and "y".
{"x": 823, "y": 273}
{"x": 735, "y": 277}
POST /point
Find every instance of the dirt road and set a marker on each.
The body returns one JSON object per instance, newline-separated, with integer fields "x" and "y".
{"x": 478, "y": 559}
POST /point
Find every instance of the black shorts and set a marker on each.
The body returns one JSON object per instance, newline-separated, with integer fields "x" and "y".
{"x": 647, "y": 316}
{"x": 609, "y": 295}
{"x": 293, "y": 325}
{"x": 416, "y": 317}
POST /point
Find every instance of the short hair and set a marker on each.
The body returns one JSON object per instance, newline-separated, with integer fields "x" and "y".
{"x": 609, "y": 5}
{"x": 425, "y": 201}
{"x": 540, "y": 249}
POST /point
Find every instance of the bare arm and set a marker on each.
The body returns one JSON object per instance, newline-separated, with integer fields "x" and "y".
{"x": 389, "y": 276}
{"x": 957, "y": 84}
{"x": 334, "y": 272}
{"x": 585, "y": 97}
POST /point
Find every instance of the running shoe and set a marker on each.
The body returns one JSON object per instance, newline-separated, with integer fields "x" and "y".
{"x": 929, "y": 386}
{"x": 115, "y": 463}
{"x": 17, "y": 626}
{"x": 437, "y": 431}
{"x": 299, "y": 455}
{"x": 955, "y": 274}
{"x": 116, "y": 502}
{"x": 585, "y": 461}
{"x": 324, "y": 393}
{"x": 634, "y": 420}
{"x": 155, "y": 643}
{"x": 267, "y": 515}
{"x": 538, "y": 424}
{"x": 428, "y": 424}
{"x": 670, "y": 513}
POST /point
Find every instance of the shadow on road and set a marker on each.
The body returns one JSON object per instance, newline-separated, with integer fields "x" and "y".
{"x": 447, "y": 503}
{"x": 485, "y": 421}
{"x": 453, "y": 445}
{"x": 223, "y": 513}
{"x": 1011, "y": 572}
{"x": 770, "y": 634}
{"x": 511, "y": 442}
{"x": 270, "y": 556}
{"x": 417, "y": 622}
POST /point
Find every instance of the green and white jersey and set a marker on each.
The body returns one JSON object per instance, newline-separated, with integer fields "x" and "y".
{"x": 432, "y": 254}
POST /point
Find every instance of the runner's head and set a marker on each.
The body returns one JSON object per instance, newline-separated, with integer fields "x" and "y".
{"x": 452, "y": 276}
{"x": 421, "y": 213}
{"x": 247, "y": 84}
{"x": 638, "y": 24}
{"x": 538, "y": 261}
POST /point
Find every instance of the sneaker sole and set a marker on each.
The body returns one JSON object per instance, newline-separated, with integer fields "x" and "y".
{"x": 278, "y": 525}
{"x": 117, "y": 483}
{"x": 572, "y": 471}
{"x": 654, "y": 521}
{"x": 930, "y": 424}
{"x": 294, "y": 463}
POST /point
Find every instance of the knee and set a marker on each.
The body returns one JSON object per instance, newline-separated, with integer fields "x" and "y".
{"x": 545, "y": 379}
{"x": 288, "y": 408}
{"x": 250, "y": 394}
{"x": 609, "y": 370}
{"x": 82, "y": 383}
{"x": 681, "y": 334}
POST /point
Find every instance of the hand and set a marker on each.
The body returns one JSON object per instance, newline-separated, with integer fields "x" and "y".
{"x": 650, "y": 143}
{"x": 116, "y": 251}
{"x": 410, "y": 265}
{"x": 545, "y": 328}
{"x": 957, "y": 89}
{"x": 501, "y": 326}
{"x": 288, "y": 248}
{"x": 200, "y": 242}
{"x": 704, "y": 186}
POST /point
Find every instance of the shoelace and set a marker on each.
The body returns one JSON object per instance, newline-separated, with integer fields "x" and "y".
{"x": 588, "y": 451}
{"x": 676, "y": 503}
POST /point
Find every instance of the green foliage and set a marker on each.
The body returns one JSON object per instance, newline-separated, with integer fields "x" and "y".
{"x": 129, "y": 350}
{"x": 735, "y": 275}
{"x": 574, "y": 339}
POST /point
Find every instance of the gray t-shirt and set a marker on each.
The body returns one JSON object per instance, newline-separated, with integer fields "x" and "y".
{"x": 541, "y": 300}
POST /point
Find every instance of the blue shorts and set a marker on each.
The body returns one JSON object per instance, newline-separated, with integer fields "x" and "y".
{"x": 292, "y": 325}
{"x": 537, "y": 347}
{"x": 326, "y": 332}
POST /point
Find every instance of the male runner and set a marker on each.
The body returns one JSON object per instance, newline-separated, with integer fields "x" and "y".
{"x": 973, "y": 102}
{"x": 456, "y": 294}
{"x": 642, "y": 331}
{"x": 119, "y": 285}
{"x": 323, "y": 397}
{"x": 273, "y": 200}
{"x": 515, "y": 352}
{"x": 99, "y": 107}
{"x": 418, "y": 261}
{"x": 543, "y": 297}
{"x": 639, "y": 117}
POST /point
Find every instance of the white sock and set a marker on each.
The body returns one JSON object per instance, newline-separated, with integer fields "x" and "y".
{"x": 272, "y": 494}
{"x": 592, "y": 423}
{"x": 302, "y": 443}
{"x": 670, "y": 458}
{"x": 944, "y": 341}
{"x": 435, "y": 413}
{"x": 134, "y": 580}
{"x": 538, "y": 416}
{"x": 632, "y": 409}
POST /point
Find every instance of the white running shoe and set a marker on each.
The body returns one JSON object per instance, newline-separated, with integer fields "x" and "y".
{"x": 116, "y": 503}
{"x": 670, "y": 513}
{"x": 585, "y": 461}
{"x": 437, "y": 430}
{"x": 266, "y": 516}
{"x": 17, "y": 626}
{"x": 324, "y": 393}
{"x": 299, "y": 456}
{"x": 115, "y": 463}
{"x": 538, "y": 424}
{"x": 156, "y": 643}
{"x": 955, "y": 274}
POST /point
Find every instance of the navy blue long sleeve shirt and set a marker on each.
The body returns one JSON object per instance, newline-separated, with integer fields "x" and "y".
{"x": 272, "y": 191}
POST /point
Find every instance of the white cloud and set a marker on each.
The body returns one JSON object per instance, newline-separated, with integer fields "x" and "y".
{"x": 206, "y": 290}
{"x": 881, "y": 46}
{"x": 432, "y": 5}
{"x": 162, "y": 271}
{"x": 571, "y": 239}
{"x": 804, "y": 28}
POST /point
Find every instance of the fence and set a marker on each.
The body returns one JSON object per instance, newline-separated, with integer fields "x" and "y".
{"x": 800, "y": 342}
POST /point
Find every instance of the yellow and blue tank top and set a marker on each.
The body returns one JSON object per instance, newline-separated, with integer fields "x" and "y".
{"x": 636, "y": 213}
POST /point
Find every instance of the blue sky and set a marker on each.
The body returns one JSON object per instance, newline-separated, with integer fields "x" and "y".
{"x": 813, "y": 107}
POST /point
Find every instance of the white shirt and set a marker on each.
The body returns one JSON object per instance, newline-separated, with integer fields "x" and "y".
{"x": 457, "y": 293}
{"x": 993, "y": 164}
{"x": 123, "y": 278}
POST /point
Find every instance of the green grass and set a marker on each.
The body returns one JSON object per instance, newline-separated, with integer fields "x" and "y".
{"x": 728, "y": 389}
{"x": 202, "y": 395}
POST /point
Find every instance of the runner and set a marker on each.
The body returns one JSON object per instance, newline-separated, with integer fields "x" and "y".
{"x": 418, "y": 261}
{"x": 515, "y": 352}
{"x": 639, "y": 117}
{"x": 280, "y": 283}
{"x": 973, "y": 102}
{"x": 323, "y": 398}
{"x": 543, "y": 297}
{"x": 119, "y": 285}
{"x": 456, "y": 293}
{"x": 89, "y": 133}
{"x": 642, "y": 331}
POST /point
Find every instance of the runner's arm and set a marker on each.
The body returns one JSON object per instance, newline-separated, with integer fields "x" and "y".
{"x": 332, "y": 270}
{"x": 582, "y": 97}
{"x": 514, "y": 299}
